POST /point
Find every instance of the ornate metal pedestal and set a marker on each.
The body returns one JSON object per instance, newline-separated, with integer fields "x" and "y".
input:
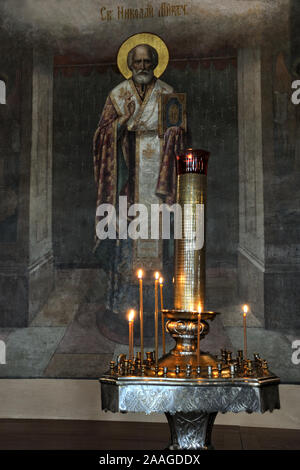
{"x": 190, "y": 405}
{"x": 182, "y": 326}
{"x": 191, "y": 430}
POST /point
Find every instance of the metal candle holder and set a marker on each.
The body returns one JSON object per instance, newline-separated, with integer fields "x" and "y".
{"x": 189, "y": 270}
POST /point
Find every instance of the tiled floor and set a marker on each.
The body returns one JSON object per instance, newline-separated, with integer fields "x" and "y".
{"x": 64, "y": 340}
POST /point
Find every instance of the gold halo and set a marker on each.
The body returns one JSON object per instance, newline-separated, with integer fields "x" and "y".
{"x": 143, "y": 38}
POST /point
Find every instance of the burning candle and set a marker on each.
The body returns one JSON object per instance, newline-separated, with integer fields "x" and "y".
{"x": 161, "y": 283}
{"x": 140, "y": 277}
{"x": 245, "y": 310}
{"x": 130, "y": 324}
{"x": 156, "y": 275}
{"x": 198, "y": 334}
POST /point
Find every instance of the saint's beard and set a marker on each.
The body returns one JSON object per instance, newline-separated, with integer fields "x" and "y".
{"x": 142, "y": 77}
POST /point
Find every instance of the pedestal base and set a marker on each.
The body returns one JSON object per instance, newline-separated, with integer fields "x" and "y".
{"x": 191, "y": 430}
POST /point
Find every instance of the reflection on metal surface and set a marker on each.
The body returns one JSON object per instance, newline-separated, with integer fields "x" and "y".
{"x": 191, "y": 430}
{"x": 153, "y": 396}
{"x": 189, "y": 276}
{"x": 183, "y": 327}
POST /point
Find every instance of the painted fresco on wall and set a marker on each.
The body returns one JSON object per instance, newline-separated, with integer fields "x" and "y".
{"x": 64, "y": 295}
{"x": 9, "y": 151}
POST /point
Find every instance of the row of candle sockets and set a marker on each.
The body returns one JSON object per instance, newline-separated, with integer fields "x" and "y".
{"x": 131, "y": 315}
{"x": 226, "y": 367}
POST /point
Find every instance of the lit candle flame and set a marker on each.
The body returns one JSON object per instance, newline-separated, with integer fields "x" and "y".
{"x": 140, "y": 274}
{"x": 131, "y": 315}
{"x": 156, "y": 275}
{"x": 245, "y": 308}
{"x": 161, "y": 281}
{"x": 199, "y": 308}
{"x": 190, "y": 156}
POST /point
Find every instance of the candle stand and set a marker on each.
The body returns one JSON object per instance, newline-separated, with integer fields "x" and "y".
{"x": 188, "y": 384}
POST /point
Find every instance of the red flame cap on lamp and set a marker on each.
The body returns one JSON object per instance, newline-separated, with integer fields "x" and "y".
{"x": 192, "y": 161}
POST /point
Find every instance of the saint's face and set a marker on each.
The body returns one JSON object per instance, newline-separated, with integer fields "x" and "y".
{"x": 142, "y": 59}
{"x": 142, "y": 66}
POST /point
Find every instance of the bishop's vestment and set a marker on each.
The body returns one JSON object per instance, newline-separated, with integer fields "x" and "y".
{"x": 134, "y": 160}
